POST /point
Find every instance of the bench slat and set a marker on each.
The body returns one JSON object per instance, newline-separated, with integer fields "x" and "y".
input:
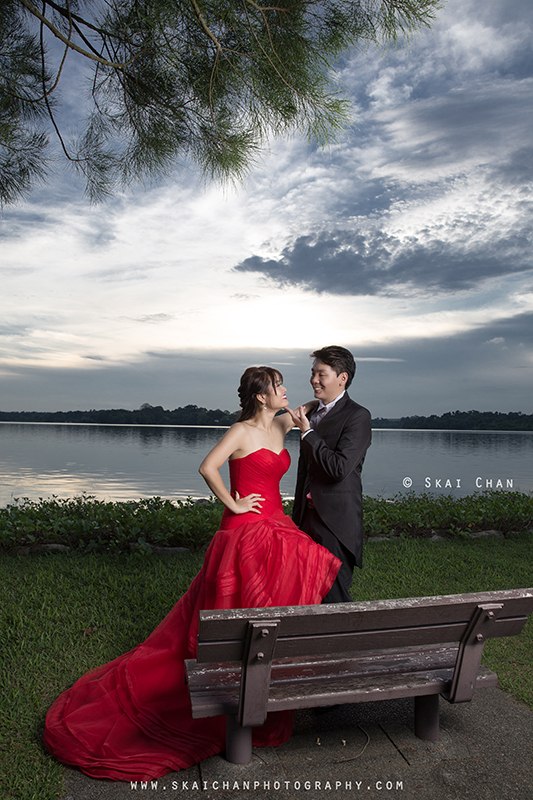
{"x": 356, "y": 690}
{"x": 324, "y": 643}
{"x": 368, "y": 615}
{"x": 315, "y": 668}
{"x": 211, "y": 700}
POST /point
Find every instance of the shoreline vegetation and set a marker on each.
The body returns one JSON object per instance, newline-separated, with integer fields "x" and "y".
{"x": 146, "y": 415}
{"x": 195, "y": 415}
{"x": 155, "y": 525}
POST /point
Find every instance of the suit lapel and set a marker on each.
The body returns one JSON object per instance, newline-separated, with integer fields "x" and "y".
{"x": 329, "y": 420}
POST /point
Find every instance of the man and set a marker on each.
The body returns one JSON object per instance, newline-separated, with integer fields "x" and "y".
{"x": 328, "y": 502}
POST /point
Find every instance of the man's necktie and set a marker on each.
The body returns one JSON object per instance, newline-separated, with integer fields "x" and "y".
{"x": 318, "y": 416}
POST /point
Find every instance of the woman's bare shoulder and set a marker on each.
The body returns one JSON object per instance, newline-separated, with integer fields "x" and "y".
{"x": 239, "y": 434}
{"x": 239, "y": 429}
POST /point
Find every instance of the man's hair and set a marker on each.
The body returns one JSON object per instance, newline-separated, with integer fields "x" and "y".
{"x": 338, "y": 358}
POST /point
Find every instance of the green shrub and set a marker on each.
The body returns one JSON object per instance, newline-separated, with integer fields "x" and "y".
{"x": 424, "y": 514}
{"x": 91, "y": 525}
{"x": 94, "y": 525}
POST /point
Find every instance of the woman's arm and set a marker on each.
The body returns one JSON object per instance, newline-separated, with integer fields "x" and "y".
{"x": 300, "y": 416}
{"x": 288, "y": 421}
{"x": 230, "y": 443}
{"x": 310, "y": 406}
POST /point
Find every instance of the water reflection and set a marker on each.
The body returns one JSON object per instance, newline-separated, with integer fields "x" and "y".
{"x": 459, "y": 462}
{"x": 116, "y": 462}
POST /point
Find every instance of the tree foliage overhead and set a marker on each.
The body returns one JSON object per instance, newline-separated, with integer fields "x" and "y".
{"x": 176, "y": 81}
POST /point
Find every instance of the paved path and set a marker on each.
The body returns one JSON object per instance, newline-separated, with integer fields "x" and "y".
{"x": 366, "y": 751}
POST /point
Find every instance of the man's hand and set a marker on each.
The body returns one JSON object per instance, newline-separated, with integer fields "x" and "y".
{"x": 299, "y": 418}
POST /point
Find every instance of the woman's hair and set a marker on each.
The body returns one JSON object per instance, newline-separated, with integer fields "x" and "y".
{"x": 254, "y": 381}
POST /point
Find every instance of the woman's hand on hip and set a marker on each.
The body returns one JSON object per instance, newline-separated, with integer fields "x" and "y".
{"x": 252, "y": 502}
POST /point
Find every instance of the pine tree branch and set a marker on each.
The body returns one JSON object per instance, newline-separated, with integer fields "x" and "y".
{"x": 205, "y": 26}
{"x": 72, "y": 45}
{"x": 203, "y": 79}
{"x": 47, "y": 102}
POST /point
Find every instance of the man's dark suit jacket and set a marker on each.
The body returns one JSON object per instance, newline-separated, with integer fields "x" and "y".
{"x": 330, "y": 464}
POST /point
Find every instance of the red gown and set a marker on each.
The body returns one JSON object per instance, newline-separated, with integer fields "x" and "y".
{"x": 131, "y": 718}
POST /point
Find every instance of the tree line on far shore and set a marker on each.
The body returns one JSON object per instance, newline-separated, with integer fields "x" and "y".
{"x": 462, "y": 421}
{"x": 146, "y": 415}
{"x": 196, "y": 415}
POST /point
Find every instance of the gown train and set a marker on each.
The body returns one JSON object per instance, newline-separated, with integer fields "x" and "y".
{"x": 130, "y": 719}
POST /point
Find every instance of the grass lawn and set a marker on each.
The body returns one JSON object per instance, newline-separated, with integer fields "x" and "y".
{"x": 63, "y": 614}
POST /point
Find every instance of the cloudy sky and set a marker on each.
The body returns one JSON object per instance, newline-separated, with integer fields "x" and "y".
{"x": 410, "y": 242}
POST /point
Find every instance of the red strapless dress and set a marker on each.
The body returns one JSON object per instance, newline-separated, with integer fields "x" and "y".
{"x": 131, "y": 718}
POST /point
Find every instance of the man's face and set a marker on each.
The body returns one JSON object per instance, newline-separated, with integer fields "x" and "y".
{"x": 327, "y": 385}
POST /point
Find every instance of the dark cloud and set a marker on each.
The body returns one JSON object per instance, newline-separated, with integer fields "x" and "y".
{"x": 170, "y": 378}
{"x": 13, "y": 330}
{"x": 516, "y": 330}
{"x": 462, "y": 120}
{"x": 15, "y": 222}
{"x": 508, "y": 342}
{"x": 494, "y": 12}
{"x": 99, "y": 234}
{"x": 487, "y": 368}
{"x": 464, "y": 155}
{"x": 485, "y": 120}
{"x": 516, "y": 170}
{"x": 374, "y": 263}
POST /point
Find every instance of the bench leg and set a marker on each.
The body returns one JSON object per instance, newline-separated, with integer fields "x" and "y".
{"x": 427, "y": 717}
{"x": 238, "y": 742}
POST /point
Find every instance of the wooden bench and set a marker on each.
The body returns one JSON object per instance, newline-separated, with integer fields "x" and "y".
{"x": 253, "y": 661}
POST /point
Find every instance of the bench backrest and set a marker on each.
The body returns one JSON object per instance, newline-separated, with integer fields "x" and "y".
{"x": 373, "y": 625}
{"x": 256, "y": 637}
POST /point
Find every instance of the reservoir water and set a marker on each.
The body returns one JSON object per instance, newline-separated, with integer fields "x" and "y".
{"x": 127, "y": 462}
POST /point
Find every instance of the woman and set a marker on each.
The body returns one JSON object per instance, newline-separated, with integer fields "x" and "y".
{"x": 131, "y": 719}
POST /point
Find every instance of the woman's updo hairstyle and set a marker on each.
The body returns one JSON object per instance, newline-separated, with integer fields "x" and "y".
{"x": 254, "y": 381}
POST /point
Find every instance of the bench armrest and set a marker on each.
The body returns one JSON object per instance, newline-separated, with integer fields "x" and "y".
{"x": 470, "y": 652}
{"x": 256, "y": 669}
